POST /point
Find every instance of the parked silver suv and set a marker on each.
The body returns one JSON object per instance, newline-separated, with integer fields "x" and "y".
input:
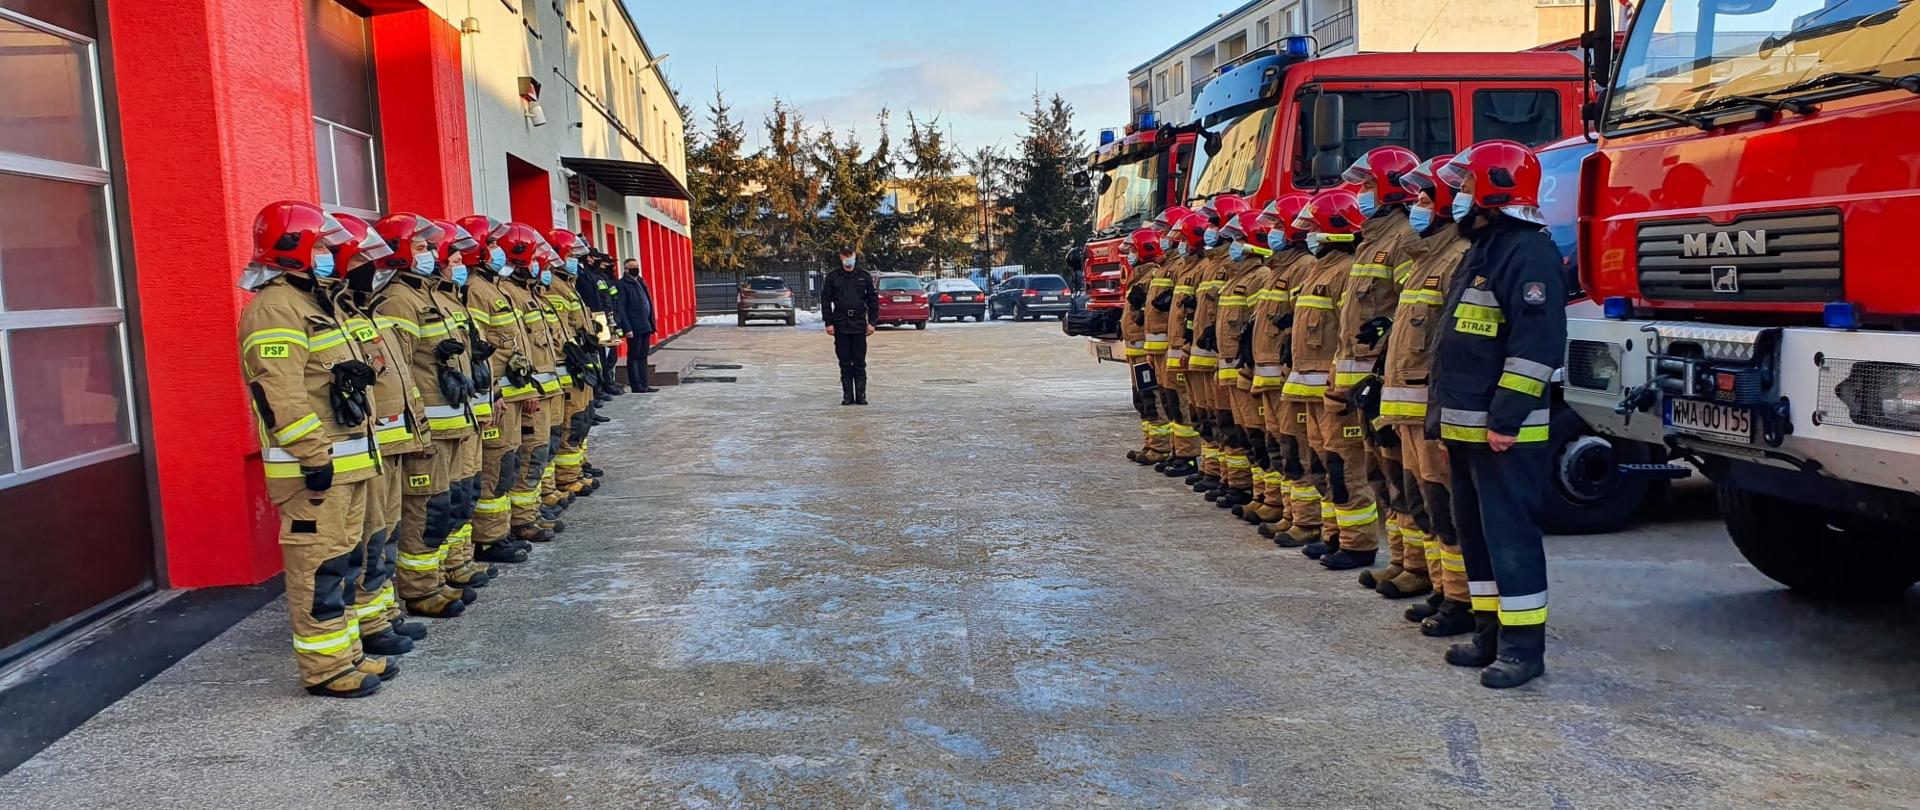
{"x": 766, "y": 298}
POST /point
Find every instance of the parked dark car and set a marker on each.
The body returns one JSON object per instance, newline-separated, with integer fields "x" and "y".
{"x": 956, "y": 298}
{"x": 902, "y": 300}
{"x": 766, "y": 298}
{"x": 1028, "y": 297}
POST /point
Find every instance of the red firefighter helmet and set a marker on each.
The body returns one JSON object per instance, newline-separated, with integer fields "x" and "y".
{"x": 366, "y": 245}
{"x": 1384, "y": 165}
{"x": 399, "y": 230}
{"x": 567, "y": 243}
{"x": 483, "y": 228}
{"x": 1228, "y": 206}
{"x": 286, "y": 232}
{"x": 1333, "y": 213}
{"x": 1504, "y": 174}
{"x": 1424, "y": 179}
{"x": 1146, "y": 245}
{"x": 1193, "y": 230}
{"x": 1170, "y": 217}
{"x": 1283, "y": 212}
{"x": 454, "y": 241}
{"x": 522, "y": 244}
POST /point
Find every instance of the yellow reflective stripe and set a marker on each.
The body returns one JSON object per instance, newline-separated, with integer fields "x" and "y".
{"x": 1432, "y": 297}
{"x": 1370, "y": 271}
{"x": 525, "y": 498}
{"x": 1357, "y": 517}
{"x": 1401, "y": 272}
{"x": 1227, "y": 374}
{"x": 326, "y": 339}
{"x": 275, "y": 335}
{"x": 1160, "y": 282}
{"x": 489, "y": 506}
{"x": 301, "y": 427}
{"x": 1295, "y": 389}
{"x": 1209, "y": 286}
{"x": 1260, "y": 382}
{"x": 1203, "y": 362}
{"x": 1348, "y": 379}
{"x": 435, "y": 329}
{"x": 1155, "y": 345}
{"x": 327, "y": 643}
{"x": 1174, "y": 362}
{"x": 1460, "y": 433}
{"x": 1183, "y": 289}
{"x": 1475, "y": 312}
{"x": 403, "y": 324}
{"x": 1227, "y": 301}
{"x": 449, "y": 422}
{"x": 421, "y": 562}
{"x": 1313, "y": 302}
{"x": 1486, "y": 604}
{"x": 343, "y": 464}
{"x": 393, "y": 435}
{"x": 517, "y": 390}
{"x": 1523, "y": 384}
{"x": 1236, "y": 462}
{"x": 1520, "y": 618}
{"x": 1389, "y": 408}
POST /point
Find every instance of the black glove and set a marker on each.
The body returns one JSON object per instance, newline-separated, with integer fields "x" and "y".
{"x": 1374, "y": 331}
{"x": 1208, "y": 340}
{"x": 1163, "y": 301}
{"x": 1139, "y": 317}
{"x": 1189, "y": 303}
{"x": 1283, "y": 320}
{"x": 1137, "y": 296}
{"x": 318, "y": 479}
{"x": 348, "y": 393}
{"x": 482, "y": 350}
{"x": 448, "y": 349}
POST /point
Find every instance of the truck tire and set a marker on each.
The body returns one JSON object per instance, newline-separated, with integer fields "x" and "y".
{"x": 1814, "y": 551}
{"x": 1588, "y": 495}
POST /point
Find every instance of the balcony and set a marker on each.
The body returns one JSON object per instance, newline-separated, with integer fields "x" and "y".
{"x": 1335, "y": 30}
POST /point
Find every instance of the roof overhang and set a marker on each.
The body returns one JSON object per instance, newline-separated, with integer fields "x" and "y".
{"x": 632, "y": 178}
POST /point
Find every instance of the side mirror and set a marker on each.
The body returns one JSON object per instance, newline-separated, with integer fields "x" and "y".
{"x": 1211, "y": 141}
{"x": 1327, "y": 168}
{"x": 1597, "y": 45}
{"x": 1329, "y": 123}
{"x": 1082, "y": 181}
{"x": 1106, "y": 182}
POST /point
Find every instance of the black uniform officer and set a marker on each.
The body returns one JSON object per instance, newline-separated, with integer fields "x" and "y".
{"x": 1505, "y": 332}
{"x": 850, "y": 305}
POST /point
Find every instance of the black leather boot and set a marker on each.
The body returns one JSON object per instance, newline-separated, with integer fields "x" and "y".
{"x": 846, "y": 390}
{"x": 1480, "y": 650}
{"x": 1452, "y": 619}
{"x": 860, "y": 391}
{"x": 1522, "y": 657}
{"x": 1345, "y": 560}
{"x": 386, "y": 642}
{"x": 1420, "y": 611}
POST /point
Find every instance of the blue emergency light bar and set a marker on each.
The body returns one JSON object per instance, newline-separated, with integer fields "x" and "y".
{"x": 1297, "y": 47}
{"x": 1841, "y": 315}
{"x": 1108, "y": 136}
{"x": 1147, "y": 121}
{"x": 1617, "y": 307}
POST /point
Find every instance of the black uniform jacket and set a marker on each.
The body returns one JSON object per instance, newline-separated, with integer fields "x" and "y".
{"x": 1504, "y": 334}
{"x": 848, "y": 297}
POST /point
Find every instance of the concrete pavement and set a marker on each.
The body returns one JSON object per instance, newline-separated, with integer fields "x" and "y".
{"x": 963, "y": 596}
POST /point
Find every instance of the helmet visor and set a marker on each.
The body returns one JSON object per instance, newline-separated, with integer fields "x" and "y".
{"x": 1359, "y": 173}
{"x": 371, "y": 248}
{"x": 463, "y": 241}
{"x": 1457, "y": 170}
{"x": 333, "y": 234}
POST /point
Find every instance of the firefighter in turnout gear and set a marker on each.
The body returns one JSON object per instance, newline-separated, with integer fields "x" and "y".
{"x": 400, "y": 428}
{"x": 1403, "y": 407}
{"x": 1347, "y": 512}
{"x": 1229, "y": 473}
{"x": 1289, "y": 499}
{"x": 1184, "y": 440}
{"x": 308, "y": 384}
{"x": 1247, "y": 254}
{"x": 1366, "y": 309}
{"x": 1146, "y": 248}
{"x": 512, "y": 389}
{"x": 542, "y": 418}
{"x": 1195, "y": 381}
{"x": 1143, "y": 247}
{"x": 583, "y": 360}
{"x": 457, "y": 562}
{"x": 1502, "y": 337}
{"x": 429, "y": 329}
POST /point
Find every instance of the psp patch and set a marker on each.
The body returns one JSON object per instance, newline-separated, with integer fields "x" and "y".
{"x": 418, "y": 481}
{"x": 1350, "y": 432}
{"x": 1534, "y": 293}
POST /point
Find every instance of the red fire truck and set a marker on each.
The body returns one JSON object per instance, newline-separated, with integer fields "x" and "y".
{"x": 1744, "y": 223}
{"x": 1141, "y": 172}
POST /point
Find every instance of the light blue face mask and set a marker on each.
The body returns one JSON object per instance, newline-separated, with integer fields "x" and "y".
{"x": 546, "y": 277}
{"x": 1368, "y": 205}
{"x": 497, "y": 260}
{"x": 1462, "y": 208}
{"x": 1237, "y": 250}
{"x": 573, "y": 266}
{"x": 424, "y": 264}
{"x": 1276, "y": 239}
{"x": 1314, "y": 243}
{"x": 1212, "y": 237}
{"x": 460, "y": 275}
{"x": 1167, "y": 246}
{"x": 323, "y": 266}
{"x": 1420, "y": 217}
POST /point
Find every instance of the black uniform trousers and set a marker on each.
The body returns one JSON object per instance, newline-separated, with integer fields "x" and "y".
{"x": 637, "y": 360}
{"x": 850, "y": 345}
{"x": 1496, "y": 504}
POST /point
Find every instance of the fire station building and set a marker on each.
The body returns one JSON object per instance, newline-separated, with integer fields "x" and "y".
{"x": 138, "y": 139}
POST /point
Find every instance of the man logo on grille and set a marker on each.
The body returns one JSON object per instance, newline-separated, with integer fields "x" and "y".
{"x": 1726, "y": 279}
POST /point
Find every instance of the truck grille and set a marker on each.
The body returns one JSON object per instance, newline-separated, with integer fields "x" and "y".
{"x": 1777, "y": 256}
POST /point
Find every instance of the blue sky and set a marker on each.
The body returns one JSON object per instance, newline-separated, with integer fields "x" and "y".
{"x": 975, "y": 63}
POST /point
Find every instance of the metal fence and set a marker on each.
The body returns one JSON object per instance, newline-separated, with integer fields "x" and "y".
{"x": 718, "y": 293}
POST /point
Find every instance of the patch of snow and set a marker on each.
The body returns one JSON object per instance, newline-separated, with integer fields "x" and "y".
{"x": 800, "y": 316}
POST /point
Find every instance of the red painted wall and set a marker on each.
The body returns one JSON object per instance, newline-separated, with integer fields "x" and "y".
{"x": 423, "y": 114}
{"x": 529, "y": 193}
{"x": 217, "y": 122}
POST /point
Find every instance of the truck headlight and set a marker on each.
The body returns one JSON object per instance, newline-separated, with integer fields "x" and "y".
{"x": 1593, "y": 365}
{"x": 1882, "y": 395}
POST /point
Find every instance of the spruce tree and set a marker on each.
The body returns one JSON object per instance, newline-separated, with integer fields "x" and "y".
{"x": 1050, "y": 216}
{"x": 719, "y": 179}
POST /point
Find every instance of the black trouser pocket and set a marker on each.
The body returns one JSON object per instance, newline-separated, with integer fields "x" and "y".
{"x": 439, "y": 518}
{"x": 1336, "y": 477}
{"x": 330, "y": 584}
{"x": 509, "y": 472}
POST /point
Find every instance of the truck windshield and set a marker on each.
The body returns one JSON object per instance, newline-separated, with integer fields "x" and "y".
{"x": 1688, "y": 54}
{"x": 1129, "y": 200}
{"x": 1241, "y": 164}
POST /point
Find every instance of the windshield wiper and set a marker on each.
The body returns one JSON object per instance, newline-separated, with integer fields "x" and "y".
{"x": 1773, "y": 106}
{"x": 1909, "y": 83}
{"x": 1696, "y": 121}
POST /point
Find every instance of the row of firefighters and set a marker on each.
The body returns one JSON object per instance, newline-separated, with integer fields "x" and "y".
{"x": 1369, "y": 366}
{"x": 424, "y": 390}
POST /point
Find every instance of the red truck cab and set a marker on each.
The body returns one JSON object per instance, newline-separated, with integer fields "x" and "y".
{"x": 1140, "y": 175}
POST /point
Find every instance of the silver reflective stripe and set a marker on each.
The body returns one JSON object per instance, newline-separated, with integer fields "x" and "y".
{"x": 1525, "y": 367}
{"x": 349, "y": 447}
{"x": 1354, "y": 366}
{"x": 1134, "y": 344}
{"x": 1229, "y": 362}
{"x": 546, "y": 377}
{"x": 1176, "y": 354}
{"x": 1403, "y": 394}
{"x": 1539, "y": 417}
{"x": 445, "y": 411}
{"x": 1156, "y": 337}
{"x": 1454, "y": 416}
{"x": 1308, "y": 377}
{"x": 560, "y": 371}
{"x": 1267, "y": 371}
{"x": 1483, "y": 589}
{"x": 1532, "y": 601}
{"x": 1205, "y": 353}
{"x": 1479, "y": 297}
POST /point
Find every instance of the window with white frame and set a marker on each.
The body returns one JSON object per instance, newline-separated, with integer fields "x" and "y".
{"x": 1296, "y": 22}
{"x": 63, "y": 334}
{"x": 1160, "y": 86}
{"x": 340, "y": 76}
{"x": 1262, "y": 32}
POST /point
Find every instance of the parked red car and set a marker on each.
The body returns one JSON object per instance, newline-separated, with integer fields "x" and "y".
{"x": 902, "y": 300}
